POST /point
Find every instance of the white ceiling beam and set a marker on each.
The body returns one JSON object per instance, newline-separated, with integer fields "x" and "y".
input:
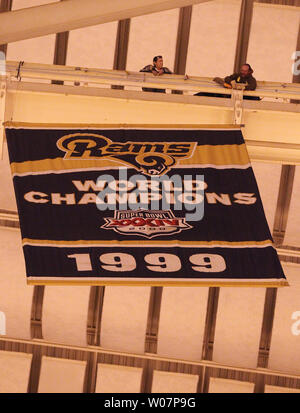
{"x": 271, "y": 133}
{"x": 72, "y": 14}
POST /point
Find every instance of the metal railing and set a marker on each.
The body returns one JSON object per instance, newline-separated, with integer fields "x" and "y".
{"x": 91, "y": 77}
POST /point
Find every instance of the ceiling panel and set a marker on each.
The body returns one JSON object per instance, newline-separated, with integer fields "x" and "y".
{"x": 178, "y": 305}
{"x": 118, "y": 379}
{"x": 124, "y": 318}
{"x": 61, "y": 375}
{"x": 268, "y": 188}
{"x": 152, "y": 35}
{"x": 65, "y": 311}
{"x": 217, "y": 385}
{"x": 37, "y": 50}
{"x": 15, "y": 295}
{"x": 166, "y": 382}
{"x": 23, "y": 4}
{"x": 277, "y": 389}
{"x": 271, "y": 45}
{"x": 238, "y": 326}
{"x": 15, "y": 370}
{"x": 292, "y": 235}
{"x": 213, "y": 37}
{"x": 92, "y": 46}
{"x": 285, "y": 341}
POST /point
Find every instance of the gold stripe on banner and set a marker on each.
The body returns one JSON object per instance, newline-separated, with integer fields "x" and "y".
{"x": 143, "y": 243}
{"x": 28, "y": 125}
{"x": 155, "y": 283}
{"x": 205, "y": 154}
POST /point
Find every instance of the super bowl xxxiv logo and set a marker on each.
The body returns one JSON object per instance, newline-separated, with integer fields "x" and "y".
{"x": 150, "y": 158}
{"x": 145, "y": 223}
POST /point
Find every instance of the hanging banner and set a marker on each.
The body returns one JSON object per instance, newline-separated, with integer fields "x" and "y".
{"x": 140, "y": 205}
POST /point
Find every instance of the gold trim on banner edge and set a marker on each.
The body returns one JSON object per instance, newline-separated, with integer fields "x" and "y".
{"x": 181, "y": 283}
{"x": 161, "y": 243}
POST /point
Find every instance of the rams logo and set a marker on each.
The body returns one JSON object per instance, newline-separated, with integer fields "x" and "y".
{"x": 150, "y": 158}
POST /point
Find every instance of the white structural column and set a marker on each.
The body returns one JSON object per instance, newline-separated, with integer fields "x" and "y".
{"x": 69, "y": 15}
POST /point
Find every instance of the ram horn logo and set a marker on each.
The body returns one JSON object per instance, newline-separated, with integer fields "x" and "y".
{"x": 155, "y": 163}
{"x": 150, "y": 158}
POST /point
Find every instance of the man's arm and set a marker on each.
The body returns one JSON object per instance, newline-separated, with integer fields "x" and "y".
{"x": 167, "y": 71}
{"x": 147, "y": 69}
{"x": 228, "y": 79}
{"x": 251, "y": 84}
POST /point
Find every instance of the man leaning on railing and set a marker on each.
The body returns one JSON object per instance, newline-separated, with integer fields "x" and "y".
{"x": 244, "y": 77}
{"x": 242, "y": 80}
{"x": 157, "y": 69}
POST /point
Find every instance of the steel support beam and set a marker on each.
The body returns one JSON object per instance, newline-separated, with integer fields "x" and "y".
{"x": 5, "y": 5}
{"x": 153, "y": 319}
{"x": 62, "y": 16}
{"x": 243, "y": 34}
{"x": 209, "y": 334}
{"x": 265, "y": 337}
{"x": 267, "y": 325}
{"x": 281, "y": 2}
{"x": 183, "y": 35}
{"x": 283, "y": 202}
{"x": 60, "y": 52}
{"x": 95, "y": 315}
{"x": 121, "y": 47}
{"x": 182, "y": 43}
{"x": 37, "y": 311}
{"x": 61, "y": 46}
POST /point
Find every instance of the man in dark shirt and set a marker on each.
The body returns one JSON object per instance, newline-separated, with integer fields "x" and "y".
{"x": 244, "y": 76}
{"x": 157, "y": 69}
